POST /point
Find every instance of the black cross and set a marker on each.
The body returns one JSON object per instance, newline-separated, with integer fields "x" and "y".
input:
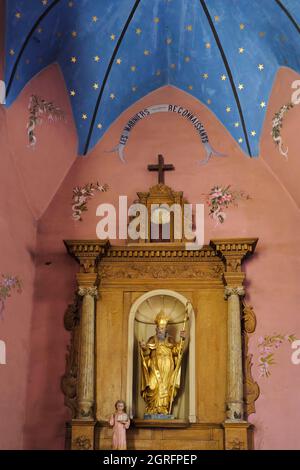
{"x": 161, "y": 168}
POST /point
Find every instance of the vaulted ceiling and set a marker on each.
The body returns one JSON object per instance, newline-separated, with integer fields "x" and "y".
{"x": 113, "y": 52}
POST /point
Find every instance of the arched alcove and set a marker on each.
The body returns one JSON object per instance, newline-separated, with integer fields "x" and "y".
{"x": 141, "y": 326}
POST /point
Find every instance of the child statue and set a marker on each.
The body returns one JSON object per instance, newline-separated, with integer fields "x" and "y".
{"x": 120, "y": 422}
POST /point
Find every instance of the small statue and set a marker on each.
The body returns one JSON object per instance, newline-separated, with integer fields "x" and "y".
{"x": 120, "y": 422}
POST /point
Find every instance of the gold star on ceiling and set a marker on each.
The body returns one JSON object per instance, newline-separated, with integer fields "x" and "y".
{"x": 134, "y": 88}
{"x": 133, "y": 68}
{"x": 209, "y": 101}
{"x": 223, "y": 77}
{"x": 96, "y": 58}
{"x": 44, "y": 2}
{"x": 253, "y": 133}
{"x": 70, "y": 4}
{"x": 40, "y": 30}
{"x": 72, "y": 92}
{"x": 112, "y": 96}
{"x": 119, "y": 61}
{"x": 74, "y": 34}
{"x": 240, "y": 140}
{"x": 84, "y": 117}
{"x": 146, "y": 52}
{"x": 158, "y": 72}
{"x": 207, "y": 45}
{"x": 205, "y": 76}
{"x": 18, "y": 15}
{"x": 241, "y": 86}
{"x": 236, "y": 124}
{"x": 95, "y": 86}
{"x": 169, "y": 41}
{"x": 262, "y": 34}
{"x": 73, "y": 60}
{"x": 156, "y": 20}
{"x": 217, "y": 18}
{"x": 138, "y": 31}
{"x": 99, "y": 125}
{"x": 189, "y": 27}
{"x": 173, "y": 66}
{"x": 261, "y": 67}
{"x": 263, "y": 104}
{"x": 112, "y": 37}
{"x": 94, "y": 19}
{"x": 241, "y": 50}
{"x": 190, "y": 87}
{"x": 12, "y": 52}
{"x": 187, "y": 59}
{"x": 242, "y": 26}
{"x": 228, "y": 109}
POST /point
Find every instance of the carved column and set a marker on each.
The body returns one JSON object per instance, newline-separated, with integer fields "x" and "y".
{"x": 233, "y": 252}
{"x": 85, "y": 393}
{"x": 87, "y": 253}
{"x": 235, "y": 405}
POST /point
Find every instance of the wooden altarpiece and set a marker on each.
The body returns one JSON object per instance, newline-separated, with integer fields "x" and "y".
{"x": 115, "y": 284}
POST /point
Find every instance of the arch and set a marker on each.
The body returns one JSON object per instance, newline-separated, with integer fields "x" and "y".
{"x": 130, "y": 348}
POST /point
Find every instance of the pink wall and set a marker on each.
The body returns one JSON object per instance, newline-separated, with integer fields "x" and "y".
{"x": 38, "y": 185}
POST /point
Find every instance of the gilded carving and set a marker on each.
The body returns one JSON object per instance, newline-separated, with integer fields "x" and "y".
{"x": 183, "y": 271}
{"x": 69, "y": 379}
{"x": 251, "y": 388}
{"x": 240, "y": 291}
{"x": 82, "y": 443}
{"x": 235, "y": 444}
{"x": 90, "y": 290}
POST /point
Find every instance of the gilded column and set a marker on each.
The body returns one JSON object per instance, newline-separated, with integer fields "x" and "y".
{"x": 85, "y": 392}
{"x": 235, "y": 404}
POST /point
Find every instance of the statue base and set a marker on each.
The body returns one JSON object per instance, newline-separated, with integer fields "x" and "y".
{"x": 158, "y": 416}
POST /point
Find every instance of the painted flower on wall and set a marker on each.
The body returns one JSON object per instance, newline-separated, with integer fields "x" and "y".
{"x": 222, "y": 197}
{"x": 81, "y": 195}
{"x": 8, "y": 284}
{"x": 267, "y": 346}
{"x": 39, "y": 108}
{"x": 277, "y": 123}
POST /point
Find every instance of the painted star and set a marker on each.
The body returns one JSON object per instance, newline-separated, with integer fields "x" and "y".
{"x": 223, "y": 77}
{"x": 146, "y": 52}
{"x": 99, "y": 125}
{"x": 253, "y": 133}
{"x": 262, "y": 34}
{"x": 158, "y": 72}
{"x": 236, "y": 124}
{"x": 261, "y": 67}
{"x": 44, "y": 2}
{"x": 190, "y": 87}
{"x": 72, "y": 92}
{"x": 241, "y": 86}
{"x": 241, "y": 50}
{"x": 205, "y": 76}
{"x": 242, "y": 26}
{"x": 84, "y": 117}
{"x": 40, "y": 30}
{"x": 189, "y": 27}
{"x": 138, "y": 30}
{"x": 71, "y": 4}
{"x": 217, "y": 18}
{"x": 228, "y": 109}
{"x": 173, "y": 66}
{"x": 207, "y": 45}
{"x": 240, "y": 140}
{"x": 11, "y": 52}
{"x": 133, "y": 68}
{"x": 112, "y": 96}
{"x": 112, "y": 37}
{"x": 168, "y": 41}
{"x": 73, "y": 60}
{"x": 134, "y": 88}
{"x": 263, "y": 104}
{"x": 156, "y": 20}
{"x": 18, "y": 15}
{"x": 74, "y": 34}
{"x": 209, "y": 101}
{"x": 119, "y": 61}
{"x": 95, "y": 86}
{"x": 187, "y": 59}
{"x": 94, "y": 19}
{"x": 96, "y": 58}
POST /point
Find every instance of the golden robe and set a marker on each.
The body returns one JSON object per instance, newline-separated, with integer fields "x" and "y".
{"x": 158, "y": 368}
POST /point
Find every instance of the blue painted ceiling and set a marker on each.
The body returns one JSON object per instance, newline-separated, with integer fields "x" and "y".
{"x": 113, "y": 52}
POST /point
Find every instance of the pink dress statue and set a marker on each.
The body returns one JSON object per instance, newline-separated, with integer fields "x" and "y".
{"x": 120, "y": 423}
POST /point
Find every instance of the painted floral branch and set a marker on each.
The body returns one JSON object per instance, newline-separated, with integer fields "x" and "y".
{"x": 267, "y": 346}
{"x": 277, "y": 126}
{"x": 81, "y": 195}
{"x": 38, "y": 108}
{"x": 8, "y": 283}
{"x": 220, "y": 198}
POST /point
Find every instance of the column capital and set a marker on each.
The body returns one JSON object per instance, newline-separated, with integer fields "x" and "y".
{"x": 87, "y": 290}
{"x": 240, "y": 291}
{"x": 87, "y": 253}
